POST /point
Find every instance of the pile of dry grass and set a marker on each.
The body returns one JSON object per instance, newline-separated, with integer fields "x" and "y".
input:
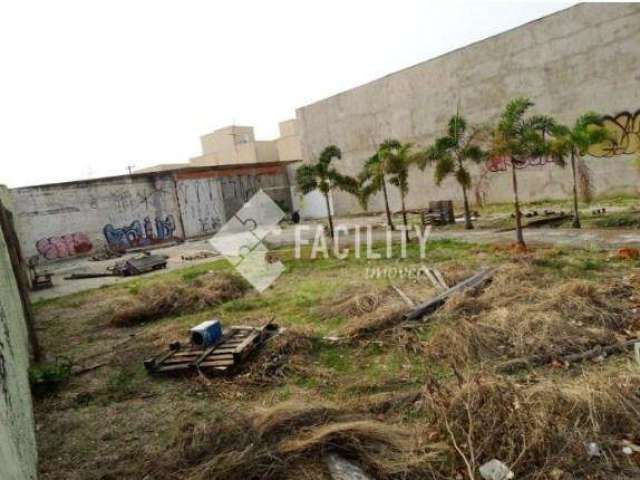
{"x": 388, "y": 315}
{"x": 540, "y": 431}
{"x": 276, "y": 443}
{"x": 179, "y": 297}
{"x": 351, "y": 304}
{"x": 524, "y": 313}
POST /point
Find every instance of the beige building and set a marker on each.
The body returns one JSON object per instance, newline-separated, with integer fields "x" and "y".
{"x": 237, "y": 145}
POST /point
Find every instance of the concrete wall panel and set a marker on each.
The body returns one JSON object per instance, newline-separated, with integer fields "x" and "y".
{"x": 583, "y": 58}
{"x": 63, "y": 220}
{"x": 18, "y": 452}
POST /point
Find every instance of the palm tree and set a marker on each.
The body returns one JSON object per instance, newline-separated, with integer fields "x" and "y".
{"x": 323, "y": 177}
{"x": 398, "y": 159}
{"x": 574, "y": 143}
{"x": 519, "y": 139}
{"x": 450, "y": 154}
{"x": 372, "y": 180}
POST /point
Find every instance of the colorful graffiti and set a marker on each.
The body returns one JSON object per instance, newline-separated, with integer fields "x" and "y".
{"x": 210, "y": 224}
{"x": 500, "y": 164}
{"x": 53, "y": 248}
{"x": 625, "y": 133}
{"x": 139, "y": 234}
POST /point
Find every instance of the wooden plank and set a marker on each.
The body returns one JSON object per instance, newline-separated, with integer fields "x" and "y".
{"x": 431, "y": 305}
{"x": 218, "y": 357}
{"x": 248, "y": 341}
{"x": 440, "y": 278}
{"x": 173, "y": 368}
{"x": 404, "y": 296}
{"x": 219, "y": 363}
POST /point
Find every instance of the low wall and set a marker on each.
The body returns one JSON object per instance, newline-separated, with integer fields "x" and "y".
{"x": 18, "y": 453}
{"x": 69, "y": 219}
{"x": 65, "y": 220}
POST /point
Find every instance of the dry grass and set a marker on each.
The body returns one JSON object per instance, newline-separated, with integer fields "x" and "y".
{"x": 525, "y": 313}
{"x": 540, "y": 430}
{"x": 274, "y": 443}
{"x": 178, "y": 298}
{"x": 352, "y": 304}
{"x": 386, "y": 316}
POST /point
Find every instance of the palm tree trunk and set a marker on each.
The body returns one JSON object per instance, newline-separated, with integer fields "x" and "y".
{"x": 467, "y": 214}
{"x": 576, "y": 215}
{"x": 516, "y": 204}
{"x": 386, "y": 204}
{"x": 326, "y": 199}
{"x": 404, "y": 217}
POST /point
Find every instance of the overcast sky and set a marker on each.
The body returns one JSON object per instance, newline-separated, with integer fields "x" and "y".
{"x": 88, "y": 87}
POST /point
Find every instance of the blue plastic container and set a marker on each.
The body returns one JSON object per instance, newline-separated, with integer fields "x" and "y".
{"x": 207, "y": 333}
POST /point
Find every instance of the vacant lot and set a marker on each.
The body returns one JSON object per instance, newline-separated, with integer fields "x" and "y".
{"x": 430, "y": 399}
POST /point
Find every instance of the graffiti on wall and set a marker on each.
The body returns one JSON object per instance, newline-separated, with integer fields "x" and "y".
{"x": 210, "y": 224}
{"x": 139, "y": 234}
{"x": 625, "y": 135}
{"x": 64, "y": 246}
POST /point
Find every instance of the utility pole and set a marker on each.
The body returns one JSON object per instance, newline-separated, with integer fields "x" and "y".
{"x": 130, "y": 169}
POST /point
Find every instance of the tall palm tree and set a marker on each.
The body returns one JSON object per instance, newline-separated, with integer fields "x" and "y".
{"x": 398, "y": 159}
{"x": 573, "y": 143}
{"x": 322, "y": 176}
{"x": 519, "y": 139}
{"x": 450, "y": 154}
{"x": 373, "y": 179}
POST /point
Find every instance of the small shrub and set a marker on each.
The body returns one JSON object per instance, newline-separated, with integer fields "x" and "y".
{"x": 47, "y": 378}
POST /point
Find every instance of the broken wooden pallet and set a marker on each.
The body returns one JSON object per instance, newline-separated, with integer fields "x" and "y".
{"x": 234, "y": 346}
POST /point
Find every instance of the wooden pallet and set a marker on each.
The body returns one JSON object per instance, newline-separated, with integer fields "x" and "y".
{"x": 234, "y": 346}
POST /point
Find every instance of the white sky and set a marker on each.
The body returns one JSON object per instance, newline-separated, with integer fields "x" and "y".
{"x": 88, "y": 87}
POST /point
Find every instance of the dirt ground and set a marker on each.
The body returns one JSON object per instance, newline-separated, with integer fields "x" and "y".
{"x": 434, "y": 399}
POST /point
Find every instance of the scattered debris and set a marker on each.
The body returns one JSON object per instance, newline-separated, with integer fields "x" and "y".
{"x": 595, "y": 353}
{"x": 431, "y": 305}
{"x": 341, "y": 469}
{"x": 82, "y": 276}
{"x": 436, "y": 278}
{"x": 628, "y": 253}
{"x": 139, "y": 265}
{"x": 106, "y": 253}
{"x": 220, "y": 357}
{"x": 198, "y": 255}
{"x": 550, "y": 220}
{"x": 207, "y": 333}
{"x": 440, "y": 212}
{"x": 39, "y": 280}
{"x": 404, "y": 296}
{"x": 592, "y": 449}
{"x": 495, "y": 470}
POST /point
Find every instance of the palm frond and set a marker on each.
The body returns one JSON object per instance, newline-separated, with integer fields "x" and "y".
{"x": 463, "y": 177}
{"x": 329, "y": 153}
{"x": 306, "y": 178}
{"x": 444, "y": 166}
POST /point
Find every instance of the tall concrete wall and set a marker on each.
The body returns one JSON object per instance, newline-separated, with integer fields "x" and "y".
{"x": 70, "y": 219}
{"x": 584, "y": 58}
{"x": 18, "y": 453}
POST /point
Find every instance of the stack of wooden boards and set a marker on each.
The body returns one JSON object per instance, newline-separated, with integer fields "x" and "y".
{"x": 236, "y": 344}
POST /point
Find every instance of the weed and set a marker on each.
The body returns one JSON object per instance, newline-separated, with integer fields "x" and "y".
{"x": 47, "y": 378}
